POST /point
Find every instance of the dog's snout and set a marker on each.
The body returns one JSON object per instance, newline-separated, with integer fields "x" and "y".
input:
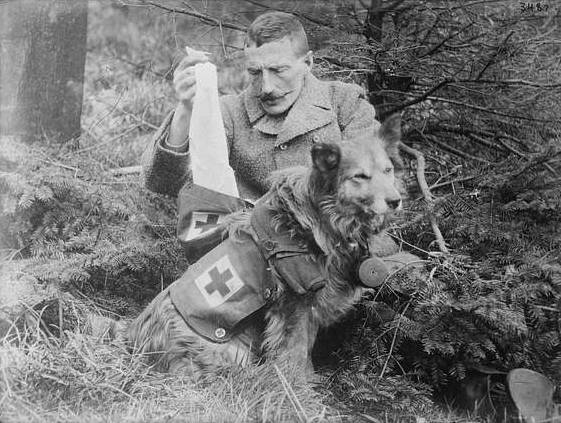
{"x": 392, "y": 203}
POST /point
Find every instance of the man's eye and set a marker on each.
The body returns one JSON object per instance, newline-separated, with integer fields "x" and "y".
{"x": 362, "y": 176}
{"x": 278, "y": 70}
{"x": 253, "y": 71}
{"x": 388, "y": 170}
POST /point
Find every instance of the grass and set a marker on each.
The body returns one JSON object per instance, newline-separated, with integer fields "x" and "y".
{"x": 87, "y": 376}
{"x": 80, "y": 377}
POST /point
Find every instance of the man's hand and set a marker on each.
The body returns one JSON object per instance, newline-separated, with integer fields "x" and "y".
{"x": 184, "y": 77}
{"x": 185, "y": 88}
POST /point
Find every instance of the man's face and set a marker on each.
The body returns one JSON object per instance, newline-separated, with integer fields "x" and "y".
{"x": 276, "y": 74}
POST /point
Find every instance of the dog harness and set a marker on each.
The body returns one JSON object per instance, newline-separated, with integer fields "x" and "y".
{"x": 218, "y": 294}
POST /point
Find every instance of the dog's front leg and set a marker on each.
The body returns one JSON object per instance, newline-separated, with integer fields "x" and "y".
{"x": 301, "y": 338}
{"x": 291, "y": 332}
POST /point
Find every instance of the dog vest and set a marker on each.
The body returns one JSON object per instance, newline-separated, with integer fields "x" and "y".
{"x": 218, "y": 294}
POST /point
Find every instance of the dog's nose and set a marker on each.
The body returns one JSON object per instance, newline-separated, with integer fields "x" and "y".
{"x": 393, "y": 204}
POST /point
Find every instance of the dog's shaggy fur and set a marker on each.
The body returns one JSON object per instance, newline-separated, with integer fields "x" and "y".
{"x": 335, "y": 206}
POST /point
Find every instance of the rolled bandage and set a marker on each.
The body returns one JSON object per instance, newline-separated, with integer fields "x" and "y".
{"x": 199, "y": 54}
{"x": 208, "y": 146}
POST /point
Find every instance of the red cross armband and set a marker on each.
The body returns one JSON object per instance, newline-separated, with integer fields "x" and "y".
{"x": 225, "y": 287}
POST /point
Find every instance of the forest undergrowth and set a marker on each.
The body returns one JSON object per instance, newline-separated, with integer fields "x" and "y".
{"x": 433, "y": 345}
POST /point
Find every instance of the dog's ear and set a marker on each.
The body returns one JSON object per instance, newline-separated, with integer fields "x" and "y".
{"x": 390, "y": 132}
{"x": 326, "y": 157}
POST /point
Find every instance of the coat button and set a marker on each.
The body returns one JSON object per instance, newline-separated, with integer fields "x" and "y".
{"x": 283, "y": 146}
{"x": 315, "y": 138}
{"x": 220, "y": 333}
{"x": 268, "y": 245}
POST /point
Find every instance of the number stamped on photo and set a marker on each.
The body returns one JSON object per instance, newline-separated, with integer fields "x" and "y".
{"x": 534, "y": 7}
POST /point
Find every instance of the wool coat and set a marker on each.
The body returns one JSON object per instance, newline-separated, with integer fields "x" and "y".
{"x": 325, "y": 111}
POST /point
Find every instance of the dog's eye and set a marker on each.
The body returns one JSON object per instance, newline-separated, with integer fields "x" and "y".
{"x": 362, "y": 176}
{"x": 388, "y": 170}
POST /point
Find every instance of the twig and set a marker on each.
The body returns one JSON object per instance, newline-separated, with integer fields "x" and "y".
{"x": 138, "y": 119}
{"x": 129, "y": 170}
{"x": 393, "y": 342}
{"x": 453, "y": 150}
{"x": 430, "y": 30}
{"x": 485, "y": 142}
{"x": 109, "y": 141}
{"x": 204, "y": 18}
{"x": 509, "y": 148}
{"x": 295, "y": 13}
{"x": 60, "y": 317}
{"x": 440, "y": 44}
{"x": 74, "y": 169}
{"x": 420, "y": 98}
{"x": 427, "y": 194}
{"x": 410, "y": 245}
{"x": 497, "y": 82}
{"x": 494, "y": 56}
{"x": 486, "y": 110}
{"x": 512, "y": 82}
{"x": 453, "y": 181}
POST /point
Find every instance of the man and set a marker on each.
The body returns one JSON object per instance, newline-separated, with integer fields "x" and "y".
{"x": 273, "y": 123}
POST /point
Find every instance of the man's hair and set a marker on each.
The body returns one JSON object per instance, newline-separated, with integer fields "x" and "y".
{"x": 273, "y": 26}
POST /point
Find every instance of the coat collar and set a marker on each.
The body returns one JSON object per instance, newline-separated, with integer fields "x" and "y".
{"x": 311, "y": 110}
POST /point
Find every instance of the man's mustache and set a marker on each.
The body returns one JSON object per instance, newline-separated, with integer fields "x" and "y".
{"x": 272, "y": 96}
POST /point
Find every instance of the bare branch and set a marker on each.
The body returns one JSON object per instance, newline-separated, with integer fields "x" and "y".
{"x": 512, "y": 82}
{"x": 204, "y": 18}
{"x": 440, "y": 44}
{"x": 485, "y": 142}
{"x": 427, "y": 194}
{"x": 494, "y": 56}
{"x": 298, "y": 14}
{"x": 487, "y": 110}
{"x": 453, "y": 150}
{"x": 453, "y": 181}
{"x": 419, "y": 99}
{"x": 129, "y": 170}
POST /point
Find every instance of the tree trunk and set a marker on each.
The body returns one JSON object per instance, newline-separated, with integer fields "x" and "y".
{"x": 43, "y": 52}
{"x": 374, "y": 21}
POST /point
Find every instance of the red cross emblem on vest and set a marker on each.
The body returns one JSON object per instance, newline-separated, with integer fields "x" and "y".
{"x": 202, "y": 222}
{"x": 219, "y": 282}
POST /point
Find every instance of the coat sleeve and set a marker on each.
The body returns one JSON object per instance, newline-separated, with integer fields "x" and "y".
{"x": 355, "y": 114}
{"x": 166, "y": 169}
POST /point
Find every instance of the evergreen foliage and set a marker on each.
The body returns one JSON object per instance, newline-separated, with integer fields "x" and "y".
{"x": 85, "y": 229}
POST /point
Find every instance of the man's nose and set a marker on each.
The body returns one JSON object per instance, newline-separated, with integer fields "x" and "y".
{"x": 266, "y": 82}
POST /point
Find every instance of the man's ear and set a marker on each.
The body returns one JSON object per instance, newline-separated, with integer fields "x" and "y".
{"x": 326, "y": 157}
{"x": 309, "y": 60}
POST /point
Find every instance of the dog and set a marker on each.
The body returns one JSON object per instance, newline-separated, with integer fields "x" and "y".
{"x": 330, "y": 210}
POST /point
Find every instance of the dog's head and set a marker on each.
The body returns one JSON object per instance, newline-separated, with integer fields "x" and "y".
{"x": 357, "y": 179}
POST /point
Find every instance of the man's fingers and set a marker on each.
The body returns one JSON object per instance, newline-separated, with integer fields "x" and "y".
{"x": 188, "y": 61}
{"x": 186, "y": 95}
{"x": 183, "y": 81}
{"x": 181, "y": 73}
